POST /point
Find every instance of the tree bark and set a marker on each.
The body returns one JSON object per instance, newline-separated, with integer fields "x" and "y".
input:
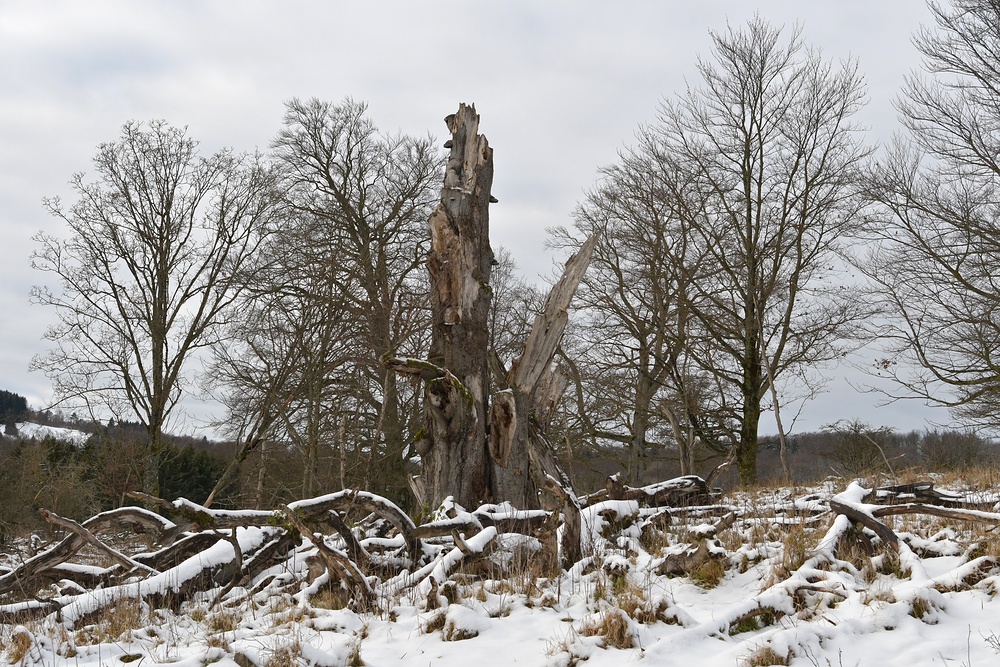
{"x": 476, "y": 447}
{"x": 459, "y": 263}
{"x": 520, "y": 473}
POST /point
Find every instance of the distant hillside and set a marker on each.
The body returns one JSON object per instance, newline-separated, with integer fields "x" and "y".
{"x": 33, "y": 431}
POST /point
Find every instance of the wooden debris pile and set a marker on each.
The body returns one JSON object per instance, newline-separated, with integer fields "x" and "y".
{"x": 358, "y": 542}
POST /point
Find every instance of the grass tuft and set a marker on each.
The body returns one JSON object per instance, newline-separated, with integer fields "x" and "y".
{"x": 612, "y": 627}
{"x": 453, "y": 633}
{"x": 285, "y": 656}
{"x": 765, "y": 656}
{"x": 19, "y": 646}
{"x": 710, "y": 573}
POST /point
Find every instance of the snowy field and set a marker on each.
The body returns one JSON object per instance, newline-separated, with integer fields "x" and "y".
{"x": 33, "y": 431}
{"x": 772, "y": 577}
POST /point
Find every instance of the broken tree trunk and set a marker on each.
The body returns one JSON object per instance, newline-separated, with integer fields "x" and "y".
{"x": 453, "y": 444}
{"x": 520, "y": 454}
{"x": 476, "y": 446}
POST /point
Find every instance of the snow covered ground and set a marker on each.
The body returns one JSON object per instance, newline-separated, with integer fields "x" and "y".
{"x": 30, "y": 430}
{"x": 787, "y": 581}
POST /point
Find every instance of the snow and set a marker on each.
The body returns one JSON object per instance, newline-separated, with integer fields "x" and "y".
{"x": 937, "y": 603}
{"x": 33, "y": 431}
{"x": 218, "y": 554}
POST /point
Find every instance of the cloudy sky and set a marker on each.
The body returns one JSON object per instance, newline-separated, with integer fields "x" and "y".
{"x": 560, "y": 85}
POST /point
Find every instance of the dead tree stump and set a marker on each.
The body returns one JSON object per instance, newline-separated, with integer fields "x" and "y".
{"x": 481, "y": 443}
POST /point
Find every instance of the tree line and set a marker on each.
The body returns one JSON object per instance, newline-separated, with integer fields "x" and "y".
{"x": 79, "y": 480}
{"x": 717, "y": 291}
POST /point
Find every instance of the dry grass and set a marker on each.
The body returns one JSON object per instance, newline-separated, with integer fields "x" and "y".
{"x": 285, "y": 656}
{"x": 354, "y": 657}
{"x": 796, "y": 545}
{"x": 331, "y": 597}
{"x": 765, "y": 656}
{"x": 710, "y": 573}
{"x": 987, "y": 543}
{"x": 655, "y": 537}
{"x": 453, "y": 633}
{"x": 114, "y": 623}
{"x": 920, "y": 607}
{"x": 17, "y": 649}
{"x": 291, "y": 615}
{"x": 565, "y": 649}
{"x": 434, "y": 623}
{"x": 224, "y": 621}
{"x": 634, "y": 603}
{"x": 612, "y": 627}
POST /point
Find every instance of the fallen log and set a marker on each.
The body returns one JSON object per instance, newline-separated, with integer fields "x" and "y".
{"x": 337, "y": 563}
{"x": 347, "y": 500}
{"x": 677, "y": 492}
{"x": 90, "y": 539}
{"x": 868, "y": 521}
{"x": 34, "y": 568}
{"x": 937, "y": 510}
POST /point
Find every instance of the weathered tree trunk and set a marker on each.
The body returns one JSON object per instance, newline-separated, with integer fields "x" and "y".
{"x": 459, "y": 263}
{"x": 477, "y": 447}
{"x": 519, "y": 414}
{"x": 746, "y": 457}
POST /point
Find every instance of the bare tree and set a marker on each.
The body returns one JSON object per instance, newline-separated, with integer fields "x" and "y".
{"x": 859, "y": 449}
{"x": 937, "y": 264}
{"x": 293, "y": 372}
{"x": 754, "y": 193}
{"x": 156, "y": 254}
{"x": 345, "y": 289}
{"x": 635, "y": 330}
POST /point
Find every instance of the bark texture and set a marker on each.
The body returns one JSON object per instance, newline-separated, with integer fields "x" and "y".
{"x": 459, "y": 264}
{"x": 521, "y": 455}
{"x": 478, "y": 444}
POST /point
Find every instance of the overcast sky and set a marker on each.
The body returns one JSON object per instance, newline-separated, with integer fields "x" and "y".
{"x": 560, "y": 87}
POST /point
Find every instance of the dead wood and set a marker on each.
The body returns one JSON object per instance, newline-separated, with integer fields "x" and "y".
{"x": 25, "y": 576}
{"x": 504, "y": 519}
{"x": 22, "y": 577}
{"x": 354, "y": 548}
{"x": 477, "y": 445}
{"x": 525, "y": 522}
{"x": 466, "y": 523}
{"x": 937, "y": 510}
{"x": 694, "y": 556}
{"x": 532, "y": 367}
{"x": 686, "y": 561}
{"x": 459, "y": 546}
{"x": 337, "y": 563}
{"x": 454, "y": 450}
{"x": 184, "y": 547}
{"x": 350, "y": 500}
{"x": 921, "y": 492}
{"x": 198, "y": 517}
{"x": 570, "y": 539}
{"x": 885, "y": 533}
{"x": 90, "y": 539}
{"x": 503, "y": 426}
{"x": 677, "y": 492}
{"x": 518, "y": 424}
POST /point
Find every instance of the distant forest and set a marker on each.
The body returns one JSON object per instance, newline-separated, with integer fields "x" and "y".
{"x": 79, "y": 481}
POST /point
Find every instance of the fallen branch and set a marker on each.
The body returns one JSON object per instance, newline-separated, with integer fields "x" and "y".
{"x": 937, "y": 510}
{"x": 337, "y": 562}
{"x": 88, "y": 537}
